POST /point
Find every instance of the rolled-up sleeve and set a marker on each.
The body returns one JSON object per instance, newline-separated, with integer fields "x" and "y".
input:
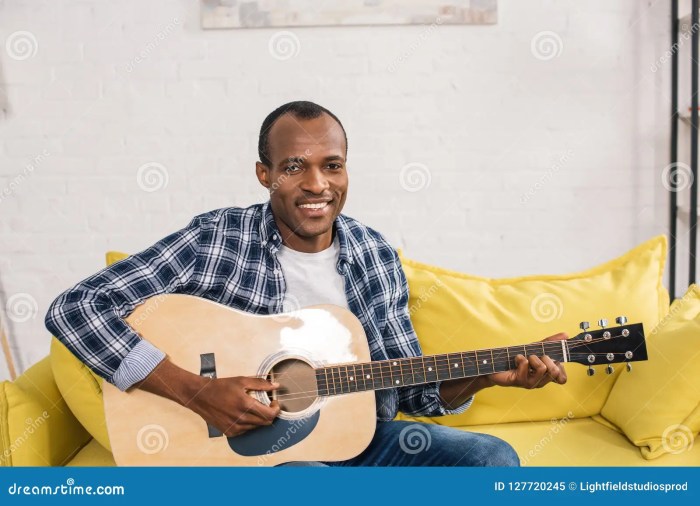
{"x": 89, "y": 317}
{"x": 400, "y": 340}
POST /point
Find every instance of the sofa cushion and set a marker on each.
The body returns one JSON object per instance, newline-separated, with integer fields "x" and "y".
{"x": 82, "y": 388}
{"x": 452, "y": 312}
{"x": 36, "y": 426}
{"x": 658, "y": 406}
{"x": 576, "y": 442}
{"x": 93, "y": 454}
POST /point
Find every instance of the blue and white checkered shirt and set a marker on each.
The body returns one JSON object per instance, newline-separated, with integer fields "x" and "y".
{"x": 230, "y": 256}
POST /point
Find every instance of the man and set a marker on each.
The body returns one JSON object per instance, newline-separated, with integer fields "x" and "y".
{"x": 294, "y": 251}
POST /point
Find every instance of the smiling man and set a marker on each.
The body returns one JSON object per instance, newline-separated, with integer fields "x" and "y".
{"x": 294, "y": 251}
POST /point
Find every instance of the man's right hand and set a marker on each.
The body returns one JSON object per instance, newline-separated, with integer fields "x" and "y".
{"x": 226, "y": 404}
{"x": 222, "y": 402}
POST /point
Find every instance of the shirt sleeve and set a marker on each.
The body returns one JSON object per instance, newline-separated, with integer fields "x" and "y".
{"x": 88, "y": 318}
{"x": 401, "y": 341}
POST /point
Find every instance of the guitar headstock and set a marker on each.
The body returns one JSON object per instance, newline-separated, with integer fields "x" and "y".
{"x": 608, "y": 345}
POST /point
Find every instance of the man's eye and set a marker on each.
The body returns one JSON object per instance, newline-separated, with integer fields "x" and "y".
{"x": 334, "y": 166}
{"x": 290, "y": 169}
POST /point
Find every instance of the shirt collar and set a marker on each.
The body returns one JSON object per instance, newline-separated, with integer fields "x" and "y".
{"x": 271, "y": 238}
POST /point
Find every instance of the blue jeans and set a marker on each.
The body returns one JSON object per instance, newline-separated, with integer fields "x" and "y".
{"x": 419, "y": 444}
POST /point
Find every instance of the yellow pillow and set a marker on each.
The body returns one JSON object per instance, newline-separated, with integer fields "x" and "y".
{"x": 453, "y": 312}
{"x": 80, "y": 387}
{"x": 658, "y": 405}
{"x": 23, "y": 428}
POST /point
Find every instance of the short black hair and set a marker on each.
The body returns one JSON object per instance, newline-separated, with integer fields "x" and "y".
{"x": 300, "y": 109}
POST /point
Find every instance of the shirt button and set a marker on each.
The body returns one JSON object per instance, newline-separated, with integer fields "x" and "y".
{"x": 274, "y": 237}
{"x": 264, "y": 243}
{"x": 276, "y": 271}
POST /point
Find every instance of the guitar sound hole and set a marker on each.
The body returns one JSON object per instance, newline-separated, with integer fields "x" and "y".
{"x": 297, "y": 381}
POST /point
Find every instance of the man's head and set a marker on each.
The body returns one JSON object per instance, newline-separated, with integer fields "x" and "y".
{"x": 303, "y": 150}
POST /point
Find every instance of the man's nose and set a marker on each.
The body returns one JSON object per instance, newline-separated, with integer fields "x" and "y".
{"x": 314, "y": 181}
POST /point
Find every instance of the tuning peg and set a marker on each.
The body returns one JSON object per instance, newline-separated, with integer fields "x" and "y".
{"x": 629, "y": 367}
{"x": 591, "y": 371}
{"x": 609, "y": 369}
{"x": 584, "y": 326}
{"x": 603, "y": 322}
{"x": 621, "y": 320}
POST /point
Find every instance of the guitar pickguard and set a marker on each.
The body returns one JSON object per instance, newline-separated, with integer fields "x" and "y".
{"x": 273, "y": 438}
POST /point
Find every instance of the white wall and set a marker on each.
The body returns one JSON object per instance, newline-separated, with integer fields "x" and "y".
{"x": 536, "y": 164}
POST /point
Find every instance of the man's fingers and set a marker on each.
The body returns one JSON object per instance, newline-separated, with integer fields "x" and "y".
{"x": 266, "y": 413}
{"x": 554, "y": 371}
{"x": 259, "y": 384}
{"x": 538, "y": 368}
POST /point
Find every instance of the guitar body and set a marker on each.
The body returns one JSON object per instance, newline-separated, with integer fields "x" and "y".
{"x": 148, "y": 430}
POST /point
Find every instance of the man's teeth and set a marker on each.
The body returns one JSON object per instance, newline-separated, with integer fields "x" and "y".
{"x": 314, "y": 206}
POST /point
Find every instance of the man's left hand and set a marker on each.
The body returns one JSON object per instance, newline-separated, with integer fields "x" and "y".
{"x": 533, "y": 371}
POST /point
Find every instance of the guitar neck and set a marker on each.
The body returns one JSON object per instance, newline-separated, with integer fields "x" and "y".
{"x": 384, "y": 374}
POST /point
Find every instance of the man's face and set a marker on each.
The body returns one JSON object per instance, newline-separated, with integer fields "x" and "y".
{"x": 307, "y": 178}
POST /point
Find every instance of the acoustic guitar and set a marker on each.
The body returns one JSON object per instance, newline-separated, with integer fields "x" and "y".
{"x": 320, "y": 357}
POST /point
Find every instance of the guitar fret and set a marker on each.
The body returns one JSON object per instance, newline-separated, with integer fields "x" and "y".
{"x": 413, "y": 376}
{"x": 397, "y": 372}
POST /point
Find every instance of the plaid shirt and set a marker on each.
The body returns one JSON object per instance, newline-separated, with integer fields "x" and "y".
{"x": 229, "y": 256}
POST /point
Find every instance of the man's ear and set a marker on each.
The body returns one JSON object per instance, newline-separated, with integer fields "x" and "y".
{"x": 263, "y": 173}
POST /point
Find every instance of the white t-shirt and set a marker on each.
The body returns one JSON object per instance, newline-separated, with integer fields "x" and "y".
{"x": 312, "y": 278}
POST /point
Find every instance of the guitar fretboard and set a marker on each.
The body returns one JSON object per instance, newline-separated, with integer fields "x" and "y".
{"x": 382, "y": 374}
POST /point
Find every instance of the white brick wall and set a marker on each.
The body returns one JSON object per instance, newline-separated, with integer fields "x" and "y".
{"x": 535, "y": 165}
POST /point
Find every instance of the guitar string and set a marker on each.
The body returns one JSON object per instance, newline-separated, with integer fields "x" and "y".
{"x": 556, "y": 346}
{"x": 341, "y": 383}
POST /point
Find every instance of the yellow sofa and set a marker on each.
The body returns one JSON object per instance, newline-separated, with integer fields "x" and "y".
{"x": 553, "y": 426}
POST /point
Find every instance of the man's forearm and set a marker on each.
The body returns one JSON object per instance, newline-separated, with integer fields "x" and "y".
{"x": 456, "y": 392}
{"x": 172, "y": 382}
